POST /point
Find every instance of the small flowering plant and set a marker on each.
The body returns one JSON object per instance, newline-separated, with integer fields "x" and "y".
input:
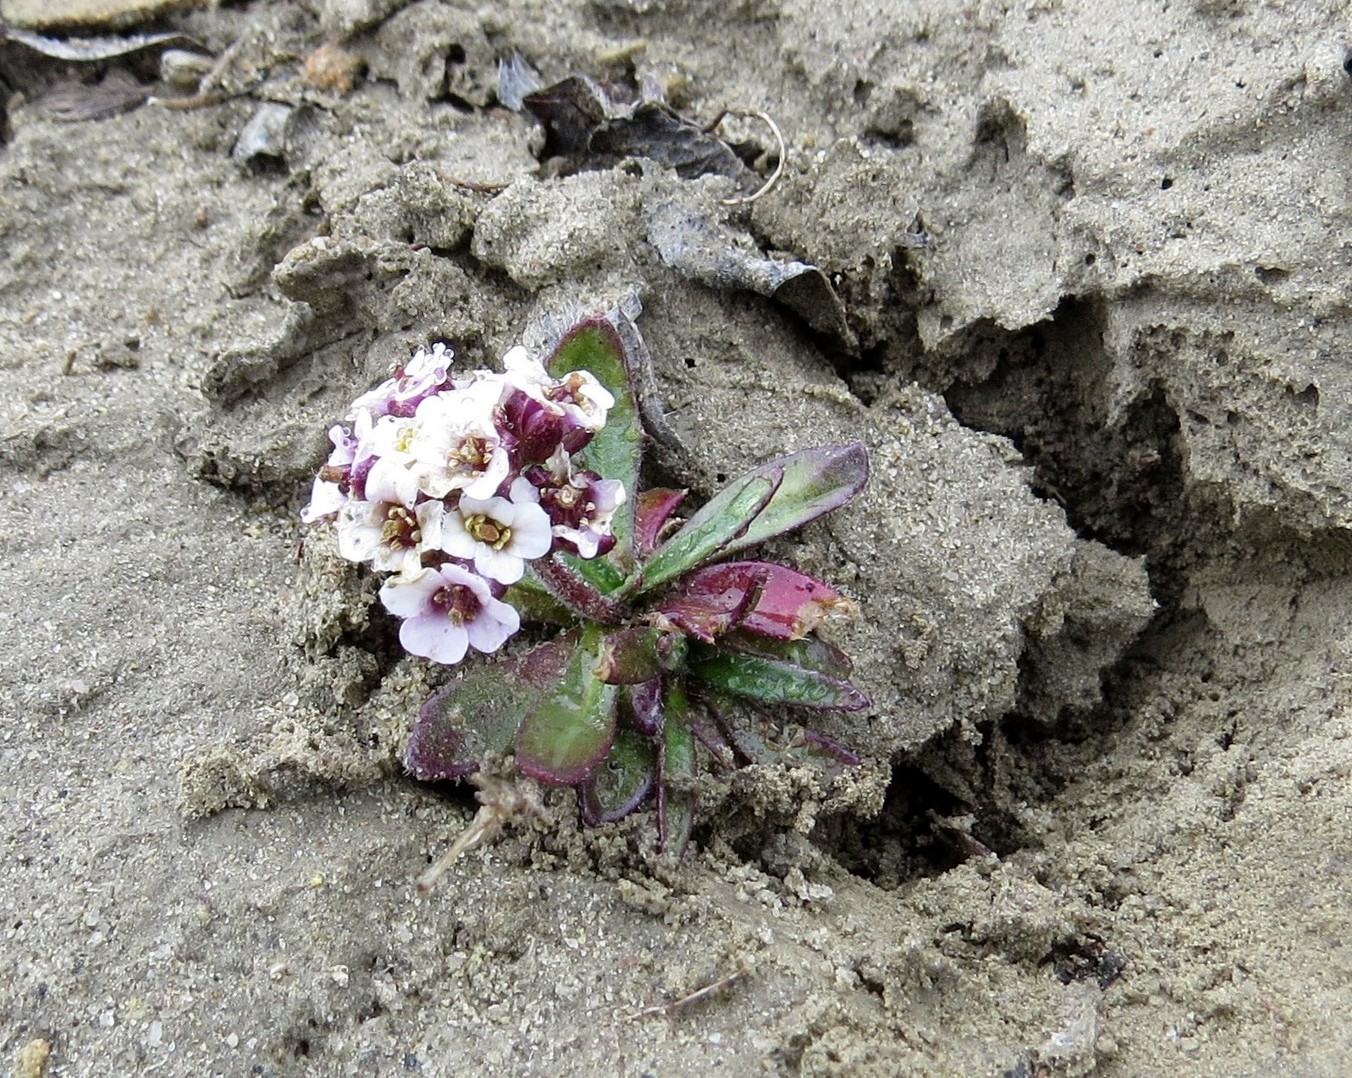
{"x": 494, "y": 498}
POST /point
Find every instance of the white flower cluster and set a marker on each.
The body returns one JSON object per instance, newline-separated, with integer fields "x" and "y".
{"x": 454, "y": 483}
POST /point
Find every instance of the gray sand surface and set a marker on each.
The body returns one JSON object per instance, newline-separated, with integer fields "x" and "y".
{"x": 1092, "y": 320}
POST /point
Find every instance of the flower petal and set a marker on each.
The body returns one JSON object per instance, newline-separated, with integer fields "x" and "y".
{"x": 408, "y": 596}
{"x": 434, "y": 637}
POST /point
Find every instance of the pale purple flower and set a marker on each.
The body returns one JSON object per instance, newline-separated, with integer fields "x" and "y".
{"x": 499, "y": 535}
{"x": 580, "y": 504}
{"x": 447, "y": 611}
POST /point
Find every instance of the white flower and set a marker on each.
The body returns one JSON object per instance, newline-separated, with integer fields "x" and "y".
{"x": 585, "y": 400}
{"x": 391, "y": 480}
{"x": 577, "y": 394}
{"x": 459, "y": 446}
{"x": 597, "y": 502}
{"x": 447, "y": 611}
{"x": 393, "y": 436}
{"x": 580, "y": 504}
{"x": 499, "y": 535}
{"x": 329, "y": 491}
{"x": 524, "y": 371}
{"x": 386, "y": 534}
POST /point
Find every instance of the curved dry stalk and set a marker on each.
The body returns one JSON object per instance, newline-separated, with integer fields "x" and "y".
{"x": 501, "y": 802}
{"x": 765, "y": 118}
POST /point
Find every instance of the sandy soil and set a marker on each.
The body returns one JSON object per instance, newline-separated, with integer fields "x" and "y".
{"x": 1104, "y": 825}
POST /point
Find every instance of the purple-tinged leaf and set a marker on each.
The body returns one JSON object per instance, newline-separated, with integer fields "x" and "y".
{"x": 769, "y": 681}
{"x": 646, "y": 708}
{"x": 676, "y": 776}
{"x": 478, "y": 713}
{"x": 640, "y": 653}
{"x": 707, "y": 733}
{"x": 534, "y": 602}
{"x": 560, "y": 577}
{"x": 571, "y": 730}
{"x": 710, "y": 615}
{"x": 807, "y": 484}
{"x": 759, "y": 597}
{"x": 756, "y": 738}
{"x": 621, "y": 783}
{"x": 831, "y": 747}
{"x": 816, "y": 482}
{"x": 596, "y": 345}
{"x": 811, "y": 652}
{"x": 712, "y": 530}
{"x": 651, "y": 513}
{"x": 740, "y": 724}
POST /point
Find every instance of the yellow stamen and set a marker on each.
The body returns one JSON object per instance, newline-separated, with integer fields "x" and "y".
{"x": 488, "y": 531}
{"x": 404, "y": 438}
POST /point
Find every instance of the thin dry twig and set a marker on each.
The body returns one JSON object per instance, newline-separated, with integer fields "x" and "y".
{"x": 477, "y": 186}
{"x": 694, "y": 997}
{"x": 764, "y": 117}
{"x": 501, "y": 803}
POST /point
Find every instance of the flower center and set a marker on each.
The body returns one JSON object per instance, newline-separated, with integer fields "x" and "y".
{"x": 488, "y": 531}
{"x": 566, "y": 497}
{"x": 568, "y": 389}
{"x": 404, "y": 439}
{"x": 459, "y": 602}
{"x": 473, "y": 454}
{"x": 400, "y": 528}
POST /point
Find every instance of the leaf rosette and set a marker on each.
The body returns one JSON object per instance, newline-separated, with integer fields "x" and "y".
{"x": 515, "y": 498}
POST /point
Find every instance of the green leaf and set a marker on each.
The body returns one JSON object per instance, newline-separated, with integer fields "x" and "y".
{"x": 815, "y": 482}
{"x": 771, "y": 681}
{"x": 811, "y": 652}
{"x": 535, "y": 602}
{"x": 801, "y": 487}
{"x": 675, "y": 792}
{"x": 712, "y": 530}
{"x": 570, "y": 731}
{"x": 479, "y": 712}
{"x": 594, "y": 345}
{"x": 619, "y": 786}
{"x": 598, "y": 572}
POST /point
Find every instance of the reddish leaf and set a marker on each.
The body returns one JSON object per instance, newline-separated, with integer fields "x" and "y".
{"x": 651, "y": 514}
{"x": 640, "y": 653}
{"x": 645, "y": 704}
{"x": 759, "y": 597}
{"x": 559, "y": 575}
